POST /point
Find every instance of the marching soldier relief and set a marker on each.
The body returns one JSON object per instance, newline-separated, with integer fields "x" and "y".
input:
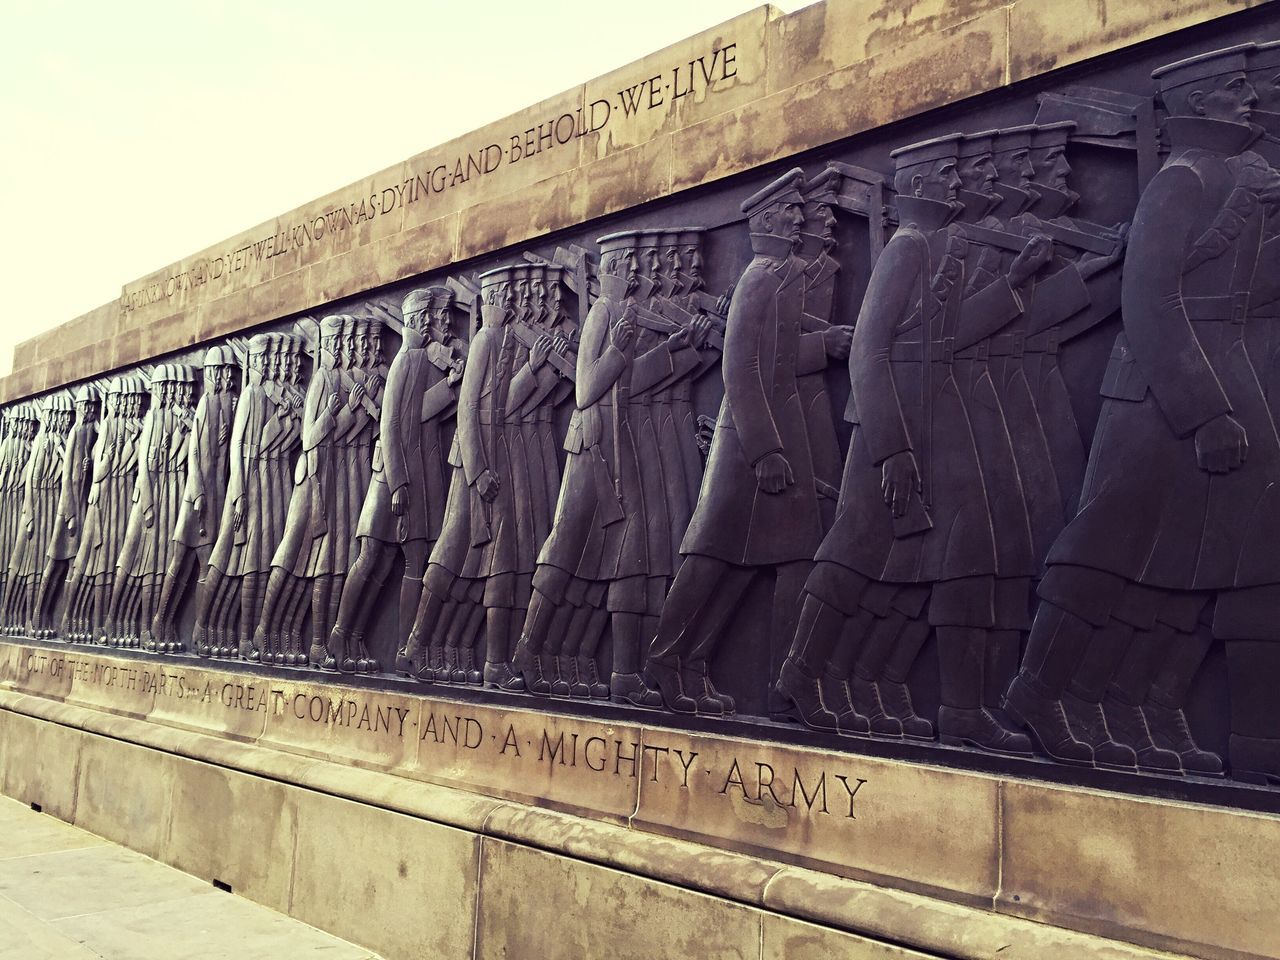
{"x": 966, "y": 439}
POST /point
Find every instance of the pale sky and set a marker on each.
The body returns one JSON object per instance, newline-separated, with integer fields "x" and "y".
{"x": 135, "y": 133}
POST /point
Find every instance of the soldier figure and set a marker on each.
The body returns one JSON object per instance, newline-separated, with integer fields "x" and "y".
{"x": 15, "y": 452}
{"x": 404, "y": 505}
{"x": 157, "y": 492}
{"x": 203, "y": 491}
{"x": 263, "y": 438}
{"x": 914, "y": 533}
{"x": 486, "y": 552}
{"x": 758, "y": 509}
{"x": 1185, "y": 462}
{"x": 601, "y": 533}
{"x": 39, "y": 508}
{"x": 69, "y": 515}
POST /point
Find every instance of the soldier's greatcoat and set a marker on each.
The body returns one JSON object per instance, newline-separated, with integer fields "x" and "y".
{"x": 906, "y": 397}
{"x": 40, "y": 502}
{"x": 411, "y": 450}
{"x": 73, "y": 491}
{"x": 735, "y": 520}
{"x": 207, "y": 468}
{"x": 114, "y": 468}
{"x": 1148, "y": 512}
{"x": 602, "y": 522}
{"x": 157, "y": 491}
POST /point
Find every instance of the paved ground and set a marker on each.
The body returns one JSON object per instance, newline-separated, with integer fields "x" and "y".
{"x": 68, "y": 895}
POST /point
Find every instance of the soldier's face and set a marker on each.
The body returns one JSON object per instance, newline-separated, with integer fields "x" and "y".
{"x": 941, "y": 183}
{"x": 1232, "y": 97}
{"x": 1052, "y": 168}
{"x": 820, "y": 220}
{"x": 1266, "y": 84}
{"x": 978, "y": 174}
{"x": 693, "y": 262}
{"x": 1015, "y": 167}
{"x": 440, "y": 324}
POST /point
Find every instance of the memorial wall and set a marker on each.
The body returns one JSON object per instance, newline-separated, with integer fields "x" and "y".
{"x": 840, "y": 443}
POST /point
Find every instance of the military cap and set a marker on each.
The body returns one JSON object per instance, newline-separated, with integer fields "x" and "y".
{"x": 87, "y": 394}
{"x": 440, "y": 296}
{"x": 60, "y": 401}
{"x": 786, "y": 189}
{"x": 1204, "y": 66}
{"x": 220, "y": 356}
{"x": 976, "y": 144}
{"x": 186, "y": 373}
{"x": 418, "y": 300}
{"x": 1265, "y": 56}
{"x": 1007, "y": 139}
{"x": 332, "y": 325}
{"x": 691, "y": 236}
{"x": 824, "y": 187}
{"x": 1045, "y": 135}
{"x": 495, "y": 276}
{"x": 926, "y": 151}
{"x": 622, "y": 240}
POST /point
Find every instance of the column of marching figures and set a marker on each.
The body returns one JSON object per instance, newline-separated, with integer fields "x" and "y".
{"x": 1073, "y": 588}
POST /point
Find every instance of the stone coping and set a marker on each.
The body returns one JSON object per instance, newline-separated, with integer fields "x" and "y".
{"x": 963, "y": 841}
{"x": 750, "y": 91}
{"x": 899, "y": 917}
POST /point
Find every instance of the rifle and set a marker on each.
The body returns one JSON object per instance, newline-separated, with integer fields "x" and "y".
{"x": 528, "y": 336}
{"x": 862, "y": 192}
{"x": 387, "y": 315}
{"x": 669, "y": 317}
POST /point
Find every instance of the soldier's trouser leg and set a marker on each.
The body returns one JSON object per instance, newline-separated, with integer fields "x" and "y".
{"x": 364, "y": 582}
{"x": 252, "y": 593}
{"x": 788, "y": 589}
{"x": 1253, "y": 670}
{"x": 175, "y": 583}
{"x": 1034, "y": 698}
{"x": 961, "y": 662}
{"x": 817, "y": 631}
{"x": 53, "y": 576}
{"x": 415, "y": 566}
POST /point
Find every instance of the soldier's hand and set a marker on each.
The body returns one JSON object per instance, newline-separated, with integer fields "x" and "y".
{"x": 374, "y": 383}
{"x": 148, "y": 518}
{"x": 71, "y": 524}
{"x": 541, "y": 350}
{"x": 237, "y": 516}
{"x": 622, "y": 333}
{"x": 773, "y": 473}
{"x": 399, "y": 500}
{"x": 1033, "y": 256}
{"x": 198, "y": 504}
{"x": 699, "y": 330}
{"x": 223, "y": 434}
{"x": 679, "y": 339}
{"x": 1221, "y": 444}
{"x": 86, "y": 464}
{"x": 487, "y": 486}
{"x": 31, "y": 529}
{"x": 837, "y": 341}
{"x": 358, "y": 394}
{"x": 899, "y": 479}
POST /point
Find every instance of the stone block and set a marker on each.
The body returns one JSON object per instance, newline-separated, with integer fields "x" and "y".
{"x": 108, "y": 801}
{"x": 537, "y": 904}
{"x": 937, "y": 69}
{"x": 1138, "y": 869}
{"x": 785, "y": 939}
{"x": 712, "y": 72}
{"x": 237, "y": 829}
{"x": 40, "y": 763}
{"x": 400, "y": 886}
{"x": 918, "y": 827}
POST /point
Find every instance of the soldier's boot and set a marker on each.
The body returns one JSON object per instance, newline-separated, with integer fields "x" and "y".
{"x": 501, "y": 676}
{"x": 1034, "y": 698}
{"x": 589, "y": 675}
{"x": 570, "y": 684}
{"x": 1031, "y": 706}
{"x": 529, "y": 664}
{"x": 837, "y": 699}
{"x": 803, "y": 693}
{"x": 1163, "y": 711}
{"x": 1169, "y": 731}
{"x": 963, "y": 718}
{"x": 1128, "y": 726}
{"x": 1253, "y": 670}
{"x": 450, "y": 671}
{"x": 1089, "y": 726}
{"x": 664, "y": 675}
{"x": 866, "y": 701}
{"x": 696, "y": 681}
{"x": 891, "y": 680}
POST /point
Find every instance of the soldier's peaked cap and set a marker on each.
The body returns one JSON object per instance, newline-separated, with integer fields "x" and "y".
{"x": 1204, "y": 66}
{"x": 59, "y": 401}
{"x": 441, "y": 296}
{"x": 496, "y": 275}
{"x": 691, "y": 235}
{"x": 976, "y": 144}
{"x": 622, "y": 240}
{"x": 87, "y": 394}
{"x": 331, "y": 326}
{"x": 1265, "y": 56}
{"x": 418, "y": 300}
{"x": 786, "y": 189}
{"x": 1046, "y": 135}
{"x": 823, "y": 186}
{"x": 926, "y": 151}
{"x": 1007, "y": 139}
